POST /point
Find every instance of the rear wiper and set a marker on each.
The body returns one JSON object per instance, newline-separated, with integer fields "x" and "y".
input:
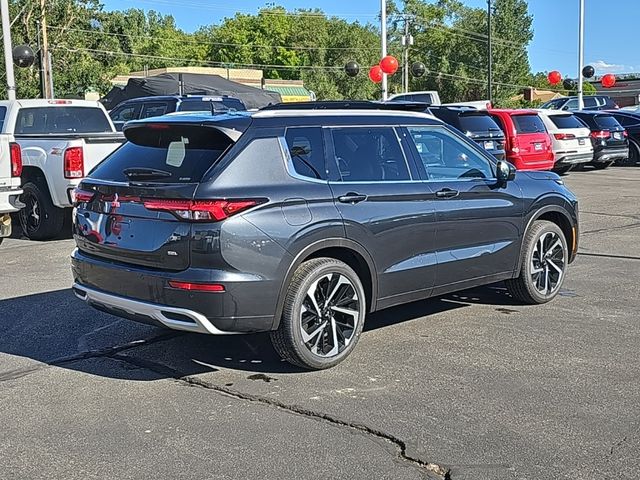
{"x": 140, "y": 173}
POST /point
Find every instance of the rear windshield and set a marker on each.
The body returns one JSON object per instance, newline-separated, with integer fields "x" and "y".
{"x": 178, "y": 154}
{"x": 478, "y": 123}
{"x": 44, "y": 120}
{"x": 566, "y": 121}
{"x": 204, "y": 104}
{"x": 606, "y": 121}
{"x": 414, "y": 97}
{"x": 528, "y": 124}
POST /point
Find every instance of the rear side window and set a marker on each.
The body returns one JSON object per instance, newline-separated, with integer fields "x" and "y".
{"x": 566, "y": 121}
{"x": 154, "y": 109}
{"x": 528, "y": 124}
{"x": 306, "y": 149}
{"x": 414, "y": 97}
{"x": 45, "y": 120}
{"x": 369, "y": 154}
{"x": 205, "y": 104}
{"x": 590, "y": 102}
{"x": 178, "y": 154}
{"x": 477, "y": 123}
{"x": 606, "y": 121}
{"x": 627, "y": 121}
{"x": 3, "y": 113}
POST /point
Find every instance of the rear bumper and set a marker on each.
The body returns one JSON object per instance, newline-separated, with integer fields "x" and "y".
{"x": 524, "y": 163}
{"x": 145, "y": 312}
{"x": 143, "y": 294}
{"x": 9, "y": 200}
{"x": 573, "y": 158}
{"x": 610, "y": 154}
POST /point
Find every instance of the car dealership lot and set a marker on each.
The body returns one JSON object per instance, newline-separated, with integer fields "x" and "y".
{"x": 472, "y": 383}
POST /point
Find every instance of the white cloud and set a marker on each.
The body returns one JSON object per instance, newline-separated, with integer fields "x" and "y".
{"x": 603, "y": 67}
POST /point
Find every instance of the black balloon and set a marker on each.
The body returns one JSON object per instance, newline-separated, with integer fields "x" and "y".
{"x": 23, "y": 56}
{"x": 418, "y": 69}
{"x": 568, "y": 84}
{"x": 588, "y": 71}
{"x": 352, "y": 69}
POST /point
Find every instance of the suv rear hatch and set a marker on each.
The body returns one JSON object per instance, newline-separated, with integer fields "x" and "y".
{"x": 483, "y": 130}
{"x": 137, "y": 206}
{"x": 532, "y": 140}
{"x": 572, "y": 135}
{"x": 608, "y": 130}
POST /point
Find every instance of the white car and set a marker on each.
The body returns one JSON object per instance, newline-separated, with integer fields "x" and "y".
{"x": 571, "y": 139}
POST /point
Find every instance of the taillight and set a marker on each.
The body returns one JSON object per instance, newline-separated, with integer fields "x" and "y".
{"x": 601, "y": 134}
{"x": 16, "y": 159}
{"x": 564, "y": 136}
{"x": 74, "y": 162}
{"x": 625, "y": 133}
{"x": 81, "y": 196}
{"x": 201, "y": 210}
{"x": 198, "y": 287}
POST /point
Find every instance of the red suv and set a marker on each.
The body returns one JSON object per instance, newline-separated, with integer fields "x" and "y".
{"x": 528, "y": 145}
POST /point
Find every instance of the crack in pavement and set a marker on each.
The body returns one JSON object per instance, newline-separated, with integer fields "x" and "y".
{"x": 607, "y": 255}
{"x": 97, "y": 353}
{"x": 621, "y": 215}
{"x": 609, "y": 229}
{"x": 432, "y": 470}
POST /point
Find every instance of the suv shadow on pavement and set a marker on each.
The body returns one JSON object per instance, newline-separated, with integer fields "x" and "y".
{"x": 56, "y": 330}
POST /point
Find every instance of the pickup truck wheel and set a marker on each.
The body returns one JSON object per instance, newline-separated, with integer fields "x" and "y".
{"x": 544, "y": 261}
{"x": 40, "y": 219}
{"x": 323, "y": 315}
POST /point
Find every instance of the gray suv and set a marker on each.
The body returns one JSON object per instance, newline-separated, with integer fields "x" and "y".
{"x": 301, "y": 220}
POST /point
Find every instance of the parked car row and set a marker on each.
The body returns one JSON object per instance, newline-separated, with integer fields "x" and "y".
{"x": 545, "y": 139}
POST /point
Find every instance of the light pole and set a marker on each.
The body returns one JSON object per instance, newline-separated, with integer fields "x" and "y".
{"x": 383, "y": 43}
{"x": 8, "y": 55}
{"x": 580, "y": 55}
{"x": 489, "y": 54}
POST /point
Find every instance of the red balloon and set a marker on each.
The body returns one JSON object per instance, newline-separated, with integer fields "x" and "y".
{"x": 554, "y": 77}
{"x": 375, "y": 74}
{"x": 609, "y": 80}
{"x": 389, "y": 64}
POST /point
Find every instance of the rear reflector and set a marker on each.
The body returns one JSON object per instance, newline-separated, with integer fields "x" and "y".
{"x": 601, "y": 134}
{"x": 197, "y": 287}
{"x": 16, "y": 159}
{"x": 564, "y": 136}
{"x": 74, "y": 162}
{"x": 625, "y": 133}
{"x": 201, "y": 210}
{"x": 81, "y": 196}
{"x": 59, "y": 102}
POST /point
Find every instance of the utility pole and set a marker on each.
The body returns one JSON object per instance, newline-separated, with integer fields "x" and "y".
{"x": 383, "y": 43}
{"x": 8, "y": 55}
{"x": 581, "y": 56}
{"x": 407, "y": 41}
{"x": 47, "y": 79}
{"x": 489, "y": 54}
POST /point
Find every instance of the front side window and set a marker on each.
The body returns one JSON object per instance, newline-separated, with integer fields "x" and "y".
{"x": 369, "y": 154}
{"x": 590, "y": 102}
{"x": 446, "y": 157}
{"x": 306, "y": 149}
{"x": 572, "y": 104}
{"x": 124, "y": 114}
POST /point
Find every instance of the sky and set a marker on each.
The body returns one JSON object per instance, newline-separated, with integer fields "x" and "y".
{"x": 609, "y": 26}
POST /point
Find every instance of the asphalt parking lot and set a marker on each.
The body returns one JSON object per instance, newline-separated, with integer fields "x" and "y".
{"x": 471, "y": 385}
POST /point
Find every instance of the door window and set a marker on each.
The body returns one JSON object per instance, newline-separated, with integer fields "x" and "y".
{"x": 572, "y": 104}
{"x": 445, "y": 157}
{"x": 153, "y": 109}
{"x": 124, "y": 113}
{"x": 306, "y": 149}
{"x": 369, "y": 154}
{"x": 590, "y": 102}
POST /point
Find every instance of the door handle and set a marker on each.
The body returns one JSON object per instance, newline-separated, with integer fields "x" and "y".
{"x": 352, "y": 198}
{"x": 447, "y": 193}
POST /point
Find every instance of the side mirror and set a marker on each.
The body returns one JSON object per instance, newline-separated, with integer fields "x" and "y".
{"x": 505, "y": 172}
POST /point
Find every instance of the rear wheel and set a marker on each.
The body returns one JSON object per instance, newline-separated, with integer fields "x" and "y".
{"x": 602, "y": 165}
{"x": 323, "y": 315}
{"x": 634, "y": 156}
{"x": 544, "y": 261}
{"x": 40, "y": 219}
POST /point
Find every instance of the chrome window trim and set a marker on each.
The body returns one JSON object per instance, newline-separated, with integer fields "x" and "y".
{"x": 288, "y": 163}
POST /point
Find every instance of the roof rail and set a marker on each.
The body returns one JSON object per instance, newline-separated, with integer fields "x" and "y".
{"x": 349, "y": 105}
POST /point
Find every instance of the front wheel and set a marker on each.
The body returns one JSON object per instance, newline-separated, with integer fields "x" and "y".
{"x": 323, "y": 315}
{"x": 544, "y": 261}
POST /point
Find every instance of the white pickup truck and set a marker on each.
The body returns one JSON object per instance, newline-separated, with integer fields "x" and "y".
{"x": 60, "y": 142}
{"x": 10, "y": 171}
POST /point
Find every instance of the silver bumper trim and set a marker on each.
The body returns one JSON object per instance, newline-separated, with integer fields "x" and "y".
{"x": 158, "y": 312}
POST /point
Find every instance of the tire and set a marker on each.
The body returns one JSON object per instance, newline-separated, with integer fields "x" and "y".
{"x": 532, "y": 290}
{"x": 634, "y": 156}
{"x": 602, "y": 165}
{"x": 1, "y": 240}
{"x": 329, "y": 279}
{"x": 563, "y": 169}
{"x": 40, "y": 219}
